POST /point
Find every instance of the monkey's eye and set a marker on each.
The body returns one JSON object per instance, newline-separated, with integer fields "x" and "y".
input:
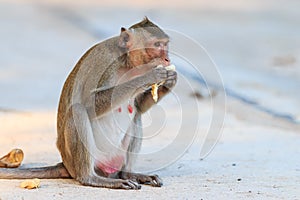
{"x": 157, "y": 44}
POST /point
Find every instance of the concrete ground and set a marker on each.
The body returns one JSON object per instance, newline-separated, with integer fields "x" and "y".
{"x": 256, "y": 48}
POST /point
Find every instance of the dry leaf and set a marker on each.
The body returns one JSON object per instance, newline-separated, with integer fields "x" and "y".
{"x": 30, "y": 183}
{"x": 13, "y": 159}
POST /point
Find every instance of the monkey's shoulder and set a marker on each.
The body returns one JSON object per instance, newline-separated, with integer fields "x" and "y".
{"x": 106, "y": 49}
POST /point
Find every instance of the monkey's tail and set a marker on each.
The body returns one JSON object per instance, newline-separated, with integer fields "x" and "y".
{"x": 50, "y": 172}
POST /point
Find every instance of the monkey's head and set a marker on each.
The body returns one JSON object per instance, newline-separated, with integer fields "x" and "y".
{"x": 145, "y": 42}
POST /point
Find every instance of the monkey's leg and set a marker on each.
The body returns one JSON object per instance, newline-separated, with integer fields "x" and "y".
{"x": 134, "y": 147}
{"x": 152, "y": 180}
{"x": 77, "y": 156}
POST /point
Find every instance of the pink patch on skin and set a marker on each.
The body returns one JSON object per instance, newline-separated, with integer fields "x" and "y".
{"x": 130, "y": 109}
{"x": 111, "y": 166}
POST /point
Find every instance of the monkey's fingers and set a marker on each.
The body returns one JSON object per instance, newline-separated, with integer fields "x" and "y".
{"x": 171, "y": 80}
{"x": 171, "y": 73}
{"x": 161, "y": 74}
{"x": 13, "y": 159}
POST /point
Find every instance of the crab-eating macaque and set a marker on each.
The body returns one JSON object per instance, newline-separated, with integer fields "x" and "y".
{"x": 99, "y": 116}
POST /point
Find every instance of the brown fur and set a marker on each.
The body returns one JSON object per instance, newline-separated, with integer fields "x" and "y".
{"x": 105, "y": 78}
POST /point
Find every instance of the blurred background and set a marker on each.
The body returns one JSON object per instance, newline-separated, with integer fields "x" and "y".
{"x": 255, "y": 45}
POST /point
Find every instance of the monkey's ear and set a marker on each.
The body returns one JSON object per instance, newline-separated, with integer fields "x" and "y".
{"x": 125, "y": 40}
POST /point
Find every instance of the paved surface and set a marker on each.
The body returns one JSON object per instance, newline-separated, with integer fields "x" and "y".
{"x": 256, "y": 47}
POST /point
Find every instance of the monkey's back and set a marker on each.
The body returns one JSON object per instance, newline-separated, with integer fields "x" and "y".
{"x": 88, "y": 71}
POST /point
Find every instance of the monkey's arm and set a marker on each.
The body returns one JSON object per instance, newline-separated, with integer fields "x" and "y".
{"x": 110, "y": 98}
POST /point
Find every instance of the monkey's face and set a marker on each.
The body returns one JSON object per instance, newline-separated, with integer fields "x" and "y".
{"x": 158, "y": 49}
{"x": 146, "y": 49}
{"x": 145, "y": 45}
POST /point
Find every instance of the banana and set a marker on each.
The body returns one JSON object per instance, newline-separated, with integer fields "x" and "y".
{"x": 154, "y": 87}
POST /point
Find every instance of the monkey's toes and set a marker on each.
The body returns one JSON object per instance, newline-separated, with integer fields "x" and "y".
{"x": 156, "y": 181}
{"x": 130, "y": 185}
{"x": 152, "y": 180}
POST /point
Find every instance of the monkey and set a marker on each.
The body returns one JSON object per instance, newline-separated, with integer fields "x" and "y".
{"x": 110, "y": 85}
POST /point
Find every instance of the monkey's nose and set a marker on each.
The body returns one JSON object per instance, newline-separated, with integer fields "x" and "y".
{"x": 167, "y": 61}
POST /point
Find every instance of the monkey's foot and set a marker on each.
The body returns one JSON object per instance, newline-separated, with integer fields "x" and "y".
{"x": 152, "y": 180}
{"x": 127, "y": 185}
{"x": 13, "y": 159}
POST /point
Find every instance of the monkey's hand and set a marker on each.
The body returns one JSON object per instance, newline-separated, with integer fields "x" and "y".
{"x": 155, "y": 76}
{"x": 171, "y": 79}
{"x": 145, "y": 100}
{"x": 169, "y": 83}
